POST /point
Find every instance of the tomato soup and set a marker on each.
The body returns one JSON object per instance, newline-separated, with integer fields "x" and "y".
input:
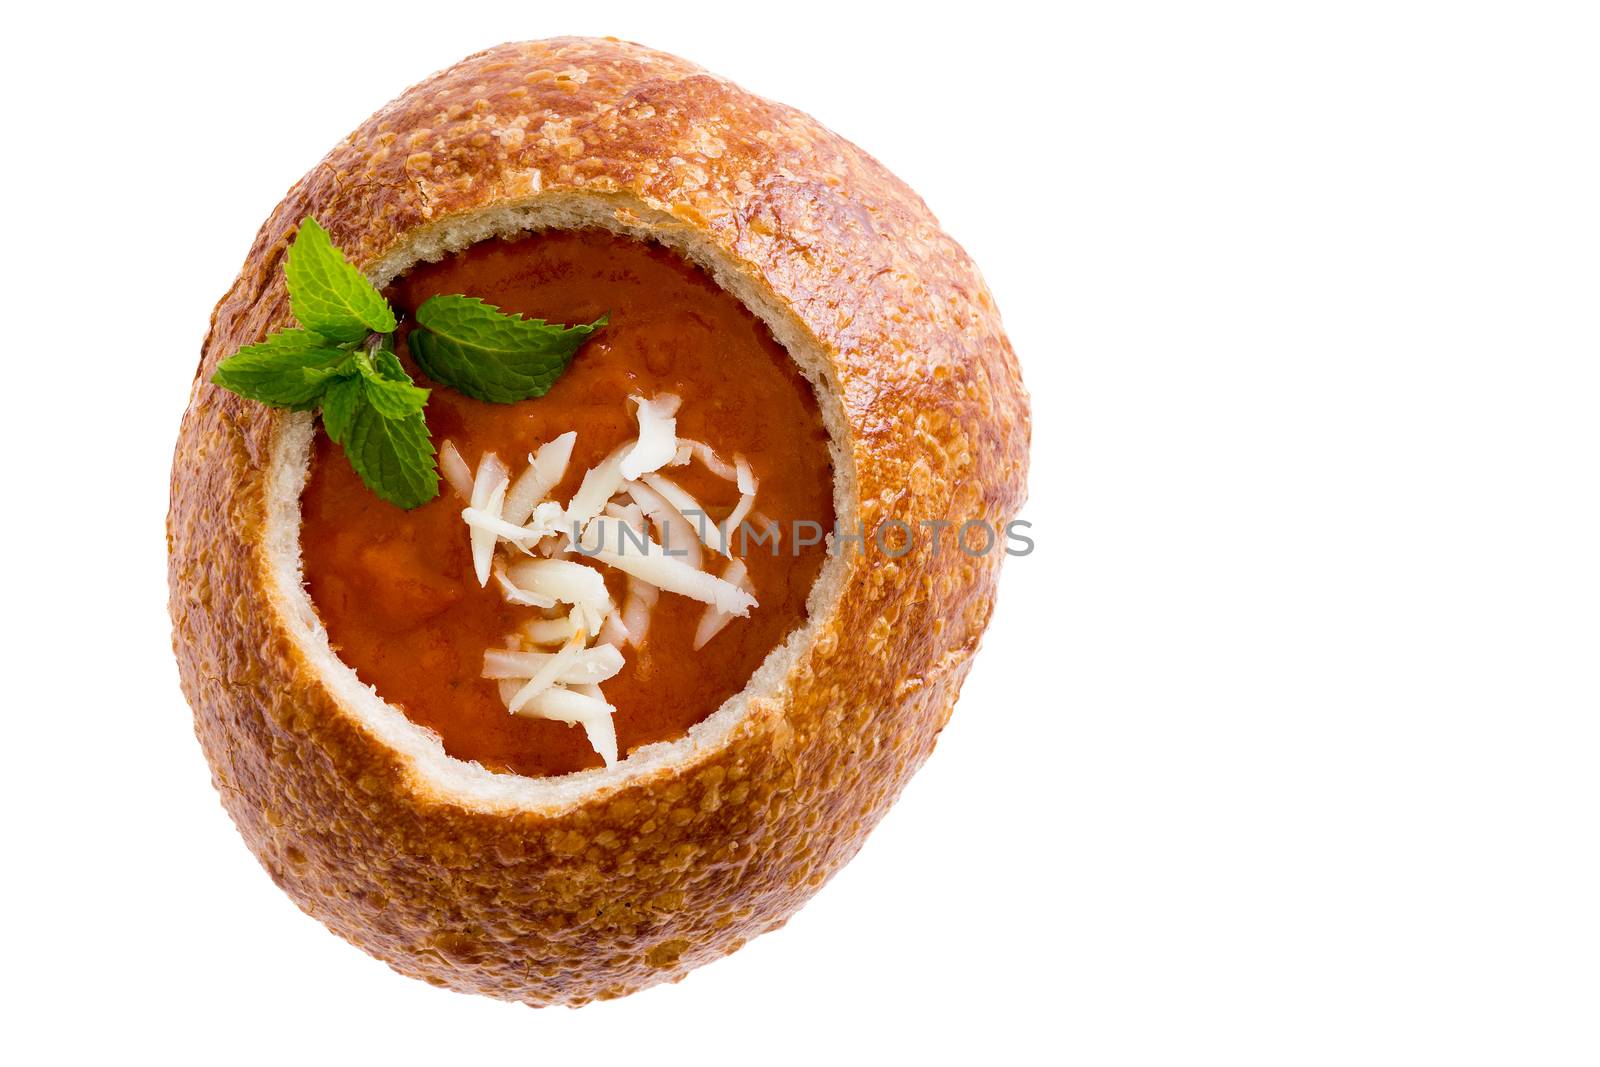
{"x": 396, "y": 589}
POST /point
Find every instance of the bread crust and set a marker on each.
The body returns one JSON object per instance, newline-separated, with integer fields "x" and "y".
{"x": 637, "y": 885}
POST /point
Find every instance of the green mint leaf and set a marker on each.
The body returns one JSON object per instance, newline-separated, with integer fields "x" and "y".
{"x": 394, "y": 457}
{"x": 370, "y": 406}
{"x": 339, "y": 406}
{"x": 291, "y": 368}
{"x": 476, "y": 349}
{"x": 327, "y": 294}
{"x": 388, "y": 365}
{"x": 388, "y": 387}
{"x": 378, "y": 421}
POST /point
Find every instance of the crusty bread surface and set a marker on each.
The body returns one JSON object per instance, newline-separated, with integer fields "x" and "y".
{"x": 596, "y": 884}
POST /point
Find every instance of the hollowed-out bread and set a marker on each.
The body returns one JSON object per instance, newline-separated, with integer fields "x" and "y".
{"x": 596, "y": 884}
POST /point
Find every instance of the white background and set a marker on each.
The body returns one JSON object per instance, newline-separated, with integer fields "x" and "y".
{"x": 1282, "y": 748}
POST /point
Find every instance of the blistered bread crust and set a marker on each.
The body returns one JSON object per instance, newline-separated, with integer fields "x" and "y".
{"x": 642, "y": 885}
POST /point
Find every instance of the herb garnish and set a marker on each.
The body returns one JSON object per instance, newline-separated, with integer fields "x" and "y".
{"x": 341, "y": 361}
{"x": 475, "y": 349}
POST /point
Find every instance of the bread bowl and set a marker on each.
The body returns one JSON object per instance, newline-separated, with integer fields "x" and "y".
{"x": 577, "y": 884}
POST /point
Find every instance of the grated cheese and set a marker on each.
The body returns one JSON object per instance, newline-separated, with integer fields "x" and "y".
{"x": 569, "y": 582}
{"x": 708, "y": 455}
{"x": 488, "y": 493}
{"x": 612, "y": 632}
{"x": 676, "y": 531}
{"x": 658, "y": 436}
{"x": 583, "y": 707}
{"x": 713, "y": 621}
{"x": 667, "y": 573}
{"x": 591, "y": 665}
{"x": 602, "y": 728}
{"x": 549, "y": 672}
{"x": 747, "y": 499}
{"x": 549, "y": 631}
{"x": 515, "y": 594}
{"x": 686, "y": 505}
{"x": 599, "y": 485}
{"x": 546, "y": 468}
{"x": 609, "y": 519}
{"x": 455, "y": 470}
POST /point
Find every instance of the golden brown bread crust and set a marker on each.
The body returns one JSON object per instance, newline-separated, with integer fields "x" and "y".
{"x": 638, "y": 887}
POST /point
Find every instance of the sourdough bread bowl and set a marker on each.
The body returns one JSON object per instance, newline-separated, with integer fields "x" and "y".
{"x": 594, "y": 884}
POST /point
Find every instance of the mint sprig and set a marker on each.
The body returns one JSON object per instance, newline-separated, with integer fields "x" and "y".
{"x": 396, "y": 454}
{"x": 340, "y": 361}
{"x": 477, "y": 349}
{"x": 288, "y": 369}
{"x": 327, "y": 294}
{"x": 392, "y": 397}
{"x": 339, "y": 405}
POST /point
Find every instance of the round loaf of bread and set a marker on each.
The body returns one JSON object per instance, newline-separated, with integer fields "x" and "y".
{"x": 597, "y": 883}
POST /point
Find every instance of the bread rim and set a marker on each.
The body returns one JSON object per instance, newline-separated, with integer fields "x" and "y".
{"x": 562, "y": 890}
{"x": 433, "y": 772}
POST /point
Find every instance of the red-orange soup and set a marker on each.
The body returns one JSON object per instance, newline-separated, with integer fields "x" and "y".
{"x": 396, "y": 588}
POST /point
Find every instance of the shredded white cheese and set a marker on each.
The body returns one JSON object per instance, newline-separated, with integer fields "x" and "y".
{"x": 515, "y": 594}
{"x": 589, "y": 666}
{"x": 549, "y": 631}
{"x": 747, "y": 499}
{"x": 549, "y": 672}
{"x": 600, "y": 728}
{"x": 687, "y": 506}
{"x": 571, "y": 583}
{"x": 455, "y": 470}
{"x": 677, "y": 533}
{"x": 583, "y": 706}
{"x": 491, "y": 523}
{"x": 767, "y": 526}
{"x": 608, "y": 522}
{"x": 601, "y": 538}
{"x": 546, "y": 468}
{"x": 612, "y": 632}
{"x": 707, "y": 455}
{"x": 658, "y": 436}
{"x": 488, "y": 493}
{"x": 713, "y": 621}
{"x": 642, "y": 597}
{"x": 599, "y": 485}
